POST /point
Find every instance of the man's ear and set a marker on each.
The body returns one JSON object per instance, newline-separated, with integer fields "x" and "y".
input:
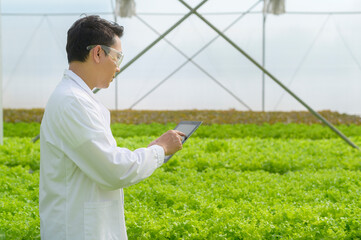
{"x": 96, "y": 53}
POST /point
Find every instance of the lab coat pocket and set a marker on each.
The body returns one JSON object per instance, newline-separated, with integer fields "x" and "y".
{"x": 102, "y": 220}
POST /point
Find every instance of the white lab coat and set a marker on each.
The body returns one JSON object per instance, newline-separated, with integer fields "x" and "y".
{"x": 82, "y": 171}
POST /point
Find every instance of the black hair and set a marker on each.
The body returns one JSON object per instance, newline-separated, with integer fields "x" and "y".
{"x": 90, "y": 30}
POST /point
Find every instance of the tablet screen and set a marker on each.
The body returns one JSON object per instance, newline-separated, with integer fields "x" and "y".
{"x": 187, "y": 127}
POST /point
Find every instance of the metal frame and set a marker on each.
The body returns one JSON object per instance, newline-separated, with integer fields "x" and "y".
{"x": 116, "y": 82}
{"x": 1, "y": 89}
{"x": 273, "y": 78}
{"x": 263, "y": 59}
{"x": 194, "y": 11}
{"x": 190, "y": 59}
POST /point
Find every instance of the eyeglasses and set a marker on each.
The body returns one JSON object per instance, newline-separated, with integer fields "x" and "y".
{"x": 119, "y": 55}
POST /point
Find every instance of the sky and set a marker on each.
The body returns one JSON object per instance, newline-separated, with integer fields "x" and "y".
{"x": 317, "y": 56}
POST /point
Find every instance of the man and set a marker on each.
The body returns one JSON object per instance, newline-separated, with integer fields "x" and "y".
{"x": 82, "y": 171}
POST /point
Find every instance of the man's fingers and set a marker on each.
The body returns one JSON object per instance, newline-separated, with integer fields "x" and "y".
{"x": 178, "y": 139}
{"x": 180, "y": 133}
{"x": 180, "y": 136}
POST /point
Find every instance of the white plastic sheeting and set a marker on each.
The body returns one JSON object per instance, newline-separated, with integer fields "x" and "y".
{"x": 316, "y": 55}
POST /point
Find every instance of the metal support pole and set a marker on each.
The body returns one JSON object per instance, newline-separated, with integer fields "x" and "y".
{"x": 116, "y": 82}
{"x": 274, "y": 78}
{"x": 192, "y": 10}
{"x": 263, "y": 60}
{"x": 1, "y": 88}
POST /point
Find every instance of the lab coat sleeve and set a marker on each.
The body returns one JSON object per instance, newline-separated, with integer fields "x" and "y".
{"x": 88, "y": 143}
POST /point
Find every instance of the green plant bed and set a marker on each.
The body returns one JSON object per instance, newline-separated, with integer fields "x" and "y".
{"x": 228, "y": 204}
{"x": 228, "y": 182}
{"x": 19, "y": 215}
{"x": 222, "y": 131}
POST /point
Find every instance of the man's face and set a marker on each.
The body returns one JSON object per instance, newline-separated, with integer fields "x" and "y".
{"x": 110, "y": 64}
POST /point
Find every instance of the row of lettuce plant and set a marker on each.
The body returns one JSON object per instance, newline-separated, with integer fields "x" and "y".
{"x": 218, "y": 187}
{"x": 221, "y": 131}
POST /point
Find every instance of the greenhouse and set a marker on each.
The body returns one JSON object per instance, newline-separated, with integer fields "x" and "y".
{"x": 275, "y": 85}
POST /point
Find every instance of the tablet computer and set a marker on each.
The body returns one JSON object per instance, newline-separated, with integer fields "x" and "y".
{"x": 188, "y": 128}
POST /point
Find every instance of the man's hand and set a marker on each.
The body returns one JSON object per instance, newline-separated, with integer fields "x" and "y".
{"x": 171, "y": 141}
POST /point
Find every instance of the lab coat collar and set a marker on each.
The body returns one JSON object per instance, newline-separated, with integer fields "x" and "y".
{"x": 71, "y": 75}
